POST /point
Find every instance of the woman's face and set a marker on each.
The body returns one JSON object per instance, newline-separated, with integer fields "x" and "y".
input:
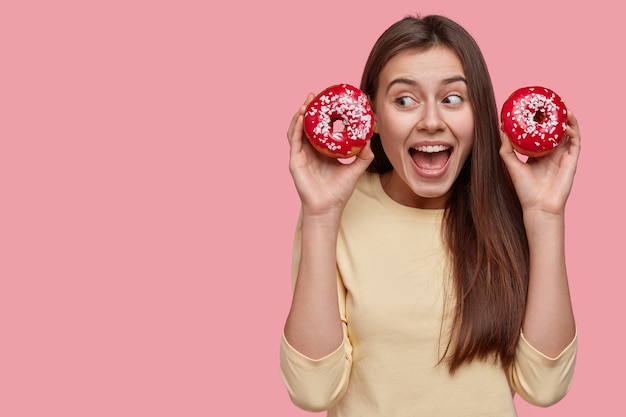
{"x": 426, "y": 125}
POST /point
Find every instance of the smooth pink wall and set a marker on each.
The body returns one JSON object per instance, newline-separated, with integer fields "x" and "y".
{"x": 147, "y": 211}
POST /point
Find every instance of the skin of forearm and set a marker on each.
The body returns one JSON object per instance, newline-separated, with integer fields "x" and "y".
{"x": 313, "y": 326}
{"x": 549, "y": 324}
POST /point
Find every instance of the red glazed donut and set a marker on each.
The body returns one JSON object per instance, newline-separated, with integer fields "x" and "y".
{"x": 534, "y": 119}
{"x": 345, "y": 103}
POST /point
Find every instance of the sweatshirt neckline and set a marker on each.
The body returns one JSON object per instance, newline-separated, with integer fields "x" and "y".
{"x": 390, "y": 203}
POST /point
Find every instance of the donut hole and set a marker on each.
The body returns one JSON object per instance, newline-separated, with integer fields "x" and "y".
{"x": 539, "y": 117}
{"x": 338, "y": 126}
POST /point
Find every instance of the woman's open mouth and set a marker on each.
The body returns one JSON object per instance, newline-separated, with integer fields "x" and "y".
{"x": 431, "y": 159}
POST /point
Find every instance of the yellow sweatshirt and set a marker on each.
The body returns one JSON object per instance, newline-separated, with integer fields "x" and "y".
{"x": 392, "y": 286}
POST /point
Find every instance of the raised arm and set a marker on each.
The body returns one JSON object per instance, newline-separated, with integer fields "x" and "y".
{"x": 543, "y": 186}
{"x": 324, "y": 185}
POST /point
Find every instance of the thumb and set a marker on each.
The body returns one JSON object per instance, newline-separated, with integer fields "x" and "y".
{"x": 507, "y": 153}
{"x": 364, "y": 157}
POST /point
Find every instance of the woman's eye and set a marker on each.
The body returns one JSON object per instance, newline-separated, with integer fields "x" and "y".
{"x": 453, "y": 99}
{"x": 404, "y": 101}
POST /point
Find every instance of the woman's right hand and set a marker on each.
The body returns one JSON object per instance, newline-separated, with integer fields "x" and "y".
{"x": 324, "y": 184}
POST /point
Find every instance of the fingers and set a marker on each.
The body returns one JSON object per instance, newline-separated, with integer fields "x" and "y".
{"x": 572, "y": 121}
{"x": 573, "y": 128}
{"x": 295, "y": 117}
{"x": 573, "y": 135}
{"x": 294, "y": 133}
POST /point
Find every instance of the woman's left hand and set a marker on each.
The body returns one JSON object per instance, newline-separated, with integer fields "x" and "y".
{"x": 544, "y": 183}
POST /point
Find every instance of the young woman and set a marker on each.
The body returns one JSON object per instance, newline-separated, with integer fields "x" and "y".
{"x": 429, "y": 274}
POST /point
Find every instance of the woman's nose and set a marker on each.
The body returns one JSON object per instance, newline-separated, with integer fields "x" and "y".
{"x": 429, "y": 119}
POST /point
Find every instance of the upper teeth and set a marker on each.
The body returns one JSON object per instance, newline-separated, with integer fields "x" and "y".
{"x": 431, "y": 148}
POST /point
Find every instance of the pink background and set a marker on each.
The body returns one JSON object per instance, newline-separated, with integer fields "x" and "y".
{"x": 147, "y": 210}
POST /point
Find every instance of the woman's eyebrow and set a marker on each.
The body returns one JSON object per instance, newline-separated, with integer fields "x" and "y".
{"x": 413, "y": 83}
{"x": 454, "y": 79}
{"x": 406, "y": 81}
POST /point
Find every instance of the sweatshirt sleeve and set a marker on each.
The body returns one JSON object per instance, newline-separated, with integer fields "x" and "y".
{"x": 541, "y": 380}
{"x": 316, "y": 384}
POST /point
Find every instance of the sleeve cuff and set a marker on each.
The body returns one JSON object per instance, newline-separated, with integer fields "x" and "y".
{"x": 292, "y": 355}
{"x": 539, "y": 379}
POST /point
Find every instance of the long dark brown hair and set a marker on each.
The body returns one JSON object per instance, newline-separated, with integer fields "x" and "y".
{"x": 482, "y": 227}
